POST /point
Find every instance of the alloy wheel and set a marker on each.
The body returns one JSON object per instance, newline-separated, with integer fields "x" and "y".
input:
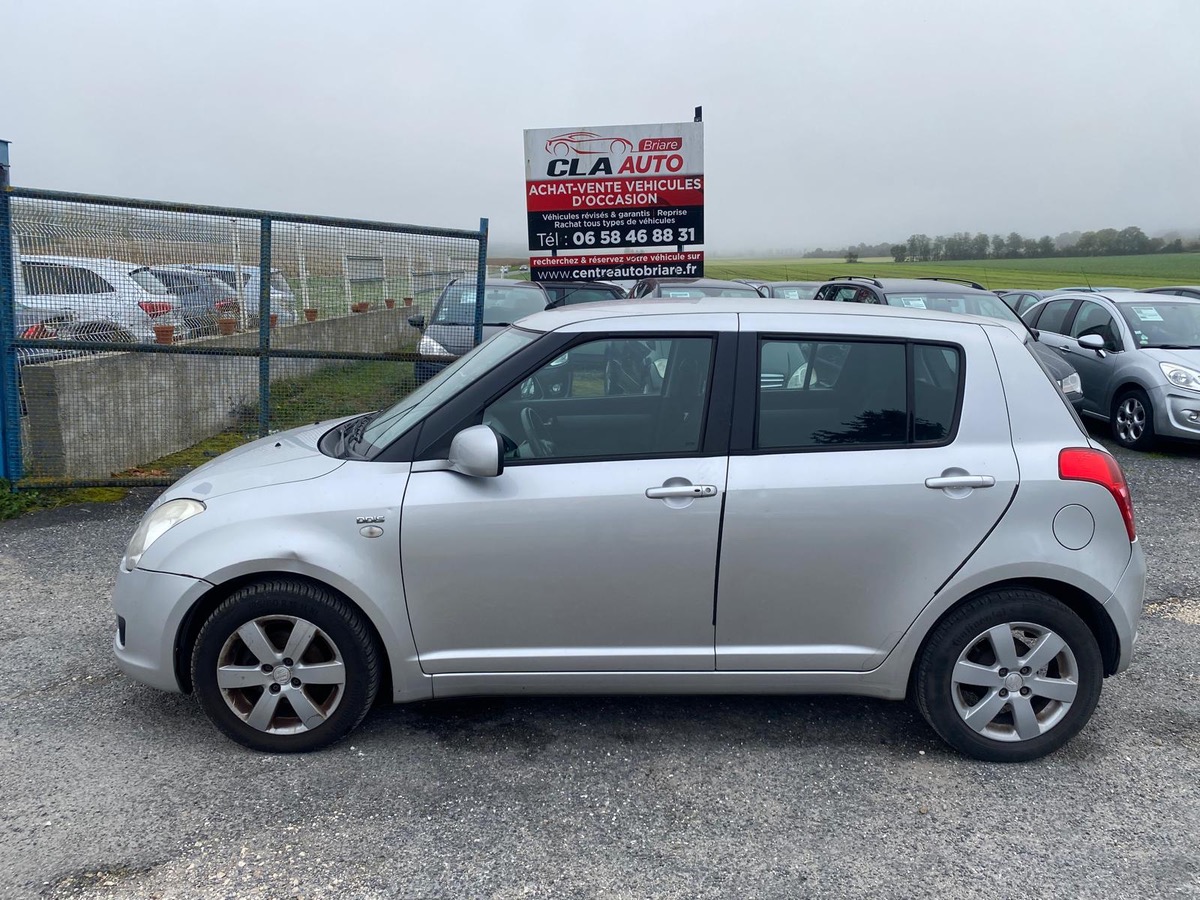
{"x": 1015, "y": 681}
{"x": 1131, "y": 420}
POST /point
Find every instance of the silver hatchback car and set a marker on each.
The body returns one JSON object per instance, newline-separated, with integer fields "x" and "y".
{"x": 703, "y": 496}
{"x": 1138, "y": 359}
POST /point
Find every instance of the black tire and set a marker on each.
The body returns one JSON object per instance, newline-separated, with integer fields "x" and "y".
{"x": 965, "y": 635}
{"x": 339, "y": 635}
{"x": 1132, "y": 420}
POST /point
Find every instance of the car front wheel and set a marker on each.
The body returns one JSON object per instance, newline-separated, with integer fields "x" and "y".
{"x": 285, "y": 666}
{"x": 1010, "y": 676}
{"x": 1133, "y": 420}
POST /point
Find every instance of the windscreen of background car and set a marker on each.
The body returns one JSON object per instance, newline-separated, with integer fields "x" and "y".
{"x": 968, "y": 304}
{"x": 279, "y": 283}
{"x": 794, "y": 293}
{"x": 148, "y": 282}
{"x": 399, "y": 417}
{"x": 1155, "y": 323}
{"x": 501, "y": 305}
{"x": 693, "y": 292}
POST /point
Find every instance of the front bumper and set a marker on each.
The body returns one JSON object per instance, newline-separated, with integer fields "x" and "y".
{"x": 1176, "y": 414}
{"x": 1124, "y": 607}
{"x": 152, "y": 606}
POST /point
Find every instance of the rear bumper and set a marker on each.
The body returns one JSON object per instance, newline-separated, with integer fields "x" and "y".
{"x": 1124, "y": 607}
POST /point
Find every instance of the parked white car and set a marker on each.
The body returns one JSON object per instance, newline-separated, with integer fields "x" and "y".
{"x": 105, "y": 299}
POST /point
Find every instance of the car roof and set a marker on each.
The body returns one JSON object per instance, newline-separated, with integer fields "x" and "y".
{"x": 793, "y": 283}
{"x": 1118, "y": 297}
{"x": 223, "y": 267}
{"x": 698, "y": 282}
{"x": 566, "y": 316}
{"x": 86, "y": 262}
{"x": 1173, "y": 287}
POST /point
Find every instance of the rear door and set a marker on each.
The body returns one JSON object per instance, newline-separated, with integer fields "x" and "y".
{"x": 850, "y": 498}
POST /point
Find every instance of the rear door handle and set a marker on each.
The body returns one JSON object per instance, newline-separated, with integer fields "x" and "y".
{"x": 960, "y": 481}
{"x": 681, "y": 490}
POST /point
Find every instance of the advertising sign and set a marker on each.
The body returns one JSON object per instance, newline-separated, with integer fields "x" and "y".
{"x": 615, "y": 188}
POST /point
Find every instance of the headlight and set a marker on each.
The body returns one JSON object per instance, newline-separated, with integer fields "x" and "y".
{"x": 1071, "y": 384}
{"x": 429, "y": 347}
{"x": 156, "y": 525}
{"x": 1181, "y": 376}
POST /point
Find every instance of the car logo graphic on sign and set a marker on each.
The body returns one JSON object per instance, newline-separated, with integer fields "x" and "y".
{"x": 583, "y": 143}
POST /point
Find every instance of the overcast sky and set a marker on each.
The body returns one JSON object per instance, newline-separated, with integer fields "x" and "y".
{"x": 825, "y": 122}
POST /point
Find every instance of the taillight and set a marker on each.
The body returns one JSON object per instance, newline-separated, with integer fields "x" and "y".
{"x": 37, "y": 332}
{"x": 1098, "y": 467}
{"x": 155, "y": 308}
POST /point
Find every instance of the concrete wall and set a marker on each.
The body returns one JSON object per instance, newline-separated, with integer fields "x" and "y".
{"x": 91, "y": 417}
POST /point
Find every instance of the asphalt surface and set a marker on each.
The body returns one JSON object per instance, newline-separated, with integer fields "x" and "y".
{"x": 111, "y": 789}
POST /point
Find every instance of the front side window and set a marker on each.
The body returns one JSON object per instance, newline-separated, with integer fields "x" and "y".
{"x": 829, "y": 395}
{"x": 612, "y": 398}
{"x": 1093, "y": 318}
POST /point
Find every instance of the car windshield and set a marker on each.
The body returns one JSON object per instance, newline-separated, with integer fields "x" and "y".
{"x": 793, "y": 292}
{"x": 688, "y": 291}
{"x": 970, "y": 304}
{"x": 501, "y": 305}
{"x": 402, "y": 415}
{"x": 1163, "y": 323}
{"x": 279, "y": 283}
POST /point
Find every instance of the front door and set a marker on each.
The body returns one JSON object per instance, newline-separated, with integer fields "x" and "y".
{"x": 858, "y": 484}
{"x": 595, "y": 549}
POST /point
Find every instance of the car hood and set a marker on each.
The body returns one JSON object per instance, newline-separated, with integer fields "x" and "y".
{"x": 458, "y": 339}
{"x": 278, "y": 459}
{"x": 1190, "y": 358}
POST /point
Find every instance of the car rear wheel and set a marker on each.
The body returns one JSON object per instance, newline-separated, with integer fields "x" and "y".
{"x": 285, "y": 666}
{"x": 1133, "y": 420}
{"x": 1010, "y": 676}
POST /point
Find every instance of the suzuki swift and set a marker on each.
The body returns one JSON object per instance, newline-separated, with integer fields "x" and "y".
{"x": 667, "y": 496}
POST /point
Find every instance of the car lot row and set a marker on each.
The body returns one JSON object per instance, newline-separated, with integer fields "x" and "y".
{"x": 84, "y": 298}
{"x": 1128, "y": 358}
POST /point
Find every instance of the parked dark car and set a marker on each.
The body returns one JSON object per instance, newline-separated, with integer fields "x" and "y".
{"x": 951, "y": 295}
{"x": 450, "y": 328}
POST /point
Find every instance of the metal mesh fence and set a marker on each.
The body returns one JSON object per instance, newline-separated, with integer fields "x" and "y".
{"x": 150, "y": 337}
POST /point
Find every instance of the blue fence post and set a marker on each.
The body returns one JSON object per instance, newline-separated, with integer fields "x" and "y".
{"x": 264, "y": 328}
{"x": 11, "y": 466}
{"x": 481, "y": 280}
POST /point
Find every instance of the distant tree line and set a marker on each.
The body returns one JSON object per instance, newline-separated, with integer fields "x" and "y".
{"x": 965, "y": 245}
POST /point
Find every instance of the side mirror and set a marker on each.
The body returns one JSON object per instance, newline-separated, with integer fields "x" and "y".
{"x": 417, "y": 321}
{"x": 477, "y": 451}
{"x": 1091, "y": 342}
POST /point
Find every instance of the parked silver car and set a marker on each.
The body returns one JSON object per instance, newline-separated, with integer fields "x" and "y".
{"x": 675, "y": 522}
{"x": 1138, "y": 358}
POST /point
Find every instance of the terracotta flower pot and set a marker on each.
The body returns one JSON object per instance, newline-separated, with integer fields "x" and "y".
{"x": 164, "y": 334}
{"x": 359, "y": 307}
{"x": 274, "y": 319}
{"x": 390, "y": 302}
{"x": 408, "y": 301}
{"x": 310, "y": 315}
{"x": 226, "y": 326}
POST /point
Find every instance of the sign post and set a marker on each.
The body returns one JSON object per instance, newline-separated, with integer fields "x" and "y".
{"x": 615, "y": 202}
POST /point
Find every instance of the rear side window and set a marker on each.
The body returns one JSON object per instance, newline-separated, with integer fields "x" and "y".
{"x": 836, "y": 395}
{"x": 1053, "y": 316}
{"x": 42, "y": 278}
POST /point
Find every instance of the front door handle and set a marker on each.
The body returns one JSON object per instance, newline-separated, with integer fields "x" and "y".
{"x": 1065, "y": 348}
{"x": 668, "y": 492}
{"x": 960, "y": 481}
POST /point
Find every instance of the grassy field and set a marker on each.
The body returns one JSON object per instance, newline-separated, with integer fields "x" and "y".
{"x": 1119, "y": 271}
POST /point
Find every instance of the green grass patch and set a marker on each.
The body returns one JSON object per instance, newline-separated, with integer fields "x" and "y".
{"x": 25, "y": 500}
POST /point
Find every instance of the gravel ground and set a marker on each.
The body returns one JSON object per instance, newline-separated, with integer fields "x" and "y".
{"x": 110, "y": 789}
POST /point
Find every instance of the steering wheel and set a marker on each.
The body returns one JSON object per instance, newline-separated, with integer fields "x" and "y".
{"x": 535, "y": 432}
